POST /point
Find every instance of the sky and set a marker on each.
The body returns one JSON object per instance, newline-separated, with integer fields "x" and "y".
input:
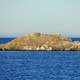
{"x": 19, "y": 17}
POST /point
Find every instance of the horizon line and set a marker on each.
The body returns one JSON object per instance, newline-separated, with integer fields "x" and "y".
{"x": 20, "y": 34}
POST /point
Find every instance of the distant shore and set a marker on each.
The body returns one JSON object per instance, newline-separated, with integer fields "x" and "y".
{"x": 41, "y": 42}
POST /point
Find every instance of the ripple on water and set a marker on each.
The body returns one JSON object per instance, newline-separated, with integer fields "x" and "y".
{"x": 40, "y": 65}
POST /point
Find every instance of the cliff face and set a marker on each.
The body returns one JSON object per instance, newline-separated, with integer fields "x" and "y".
{"x": 38, "y": 41}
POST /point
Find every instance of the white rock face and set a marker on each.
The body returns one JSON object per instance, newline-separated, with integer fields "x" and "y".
{"x": 35, "y": 34}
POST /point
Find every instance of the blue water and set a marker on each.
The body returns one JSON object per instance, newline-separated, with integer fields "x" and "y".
{"x": 39, "y": 65}
{"x": 5, "y": 40}
{"x": 75, "y": 39}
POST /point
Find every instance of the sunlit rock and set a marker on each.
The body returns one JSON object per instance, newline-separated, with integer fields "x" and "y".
{"x": 40, "y": 41}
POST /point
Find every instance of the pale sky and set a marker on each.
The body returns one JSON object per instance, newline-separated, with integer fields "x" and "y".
{"x": 18, "y": 17}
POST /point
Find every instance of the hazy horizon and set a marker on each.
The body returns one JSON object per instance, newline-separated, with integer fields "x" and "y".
{"x": 18, "y": 17}
{"x": 13, "y": 35}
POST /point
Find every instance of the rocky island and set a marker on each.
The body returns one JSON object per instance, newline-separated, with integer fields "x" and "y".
{"x": 40, "y": 41}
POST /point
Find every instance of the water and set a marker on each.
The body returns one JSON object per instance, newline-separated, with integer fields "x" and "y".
{"x": 75, "y": 39}
{"x": 5, "y": 40}
{"x": 39, "y": 65}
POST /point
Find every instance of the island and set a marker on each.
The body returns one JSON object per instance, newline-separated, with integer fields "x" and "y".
{"x": 41, "y": 41}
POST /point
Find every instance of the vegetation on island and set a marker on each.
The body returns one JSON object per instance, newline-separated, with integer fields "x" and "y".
{"x": 40, "y": 41}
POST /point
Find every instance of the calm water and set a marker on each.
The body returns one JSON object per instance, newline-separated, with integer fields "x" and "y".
{"x": 5, "y": 40}
{"x": 39, "y": 65}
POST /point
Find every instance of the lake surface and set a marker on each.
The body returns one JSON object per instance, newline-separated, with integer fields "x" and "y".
{"x": 39, "y": 65}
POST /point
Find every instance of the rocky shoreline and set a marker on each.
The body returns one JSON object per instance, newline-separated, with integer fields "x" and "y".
{"x": 40, "y": 41}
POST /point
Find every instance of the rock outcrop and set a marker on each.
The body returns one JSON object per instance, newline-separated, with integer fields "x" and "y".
{"x": 39, "y": 41}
